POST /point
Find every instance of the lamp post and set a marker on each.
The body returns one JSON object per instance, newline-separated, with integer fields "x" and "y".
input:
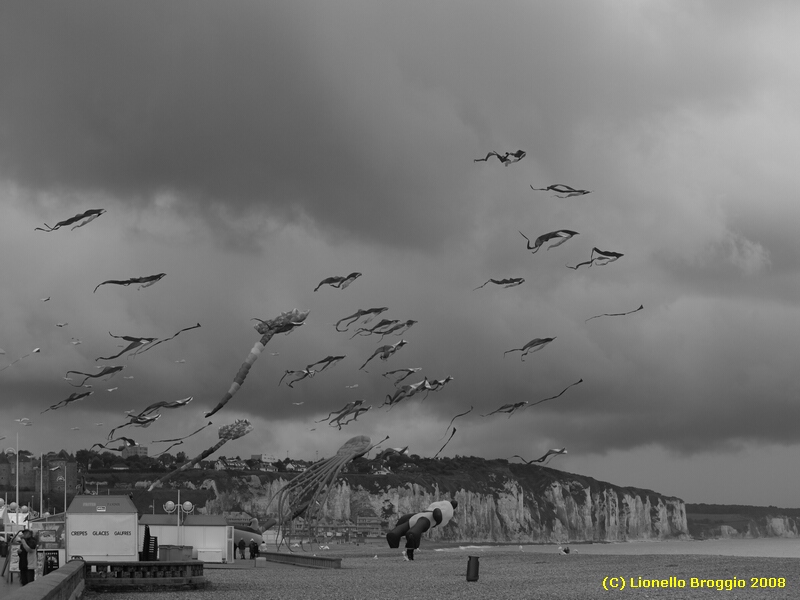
{"x": 186, "y": 508}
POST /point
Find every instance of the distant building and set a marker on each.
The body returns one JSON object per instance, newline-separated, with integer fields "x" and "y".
{"x": 264, "y": 458}
{"x": 230, "y": 464}
{"x": 128, "y": 451}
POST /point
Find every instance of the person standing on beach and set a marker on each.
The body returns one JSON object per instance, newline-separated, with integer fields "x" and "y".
{"x": 27, "y": 557}
{"x": 241, "y": 548}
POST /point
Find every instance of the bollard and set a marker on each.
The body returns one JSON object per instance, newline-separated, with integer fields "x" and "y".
{"x": 472, "y": 568}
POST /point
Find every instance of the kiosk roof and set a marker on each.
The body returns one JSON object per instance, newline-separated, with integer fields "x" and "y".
{"x": 102, "y": 504}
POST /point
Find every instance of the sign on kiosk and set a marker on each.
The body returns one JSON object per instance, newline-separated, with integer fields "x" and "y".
{"x": 103, "y": 528}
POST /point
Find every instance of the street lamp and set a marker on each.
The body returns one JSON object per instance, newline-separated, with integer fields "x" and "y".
{"x": 64, "y": 479}
{"x": 186, "y": 508}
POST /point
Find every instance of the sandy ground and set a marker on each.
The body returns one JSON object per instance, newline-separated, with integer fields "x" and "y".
{"x": 504, "y": 572}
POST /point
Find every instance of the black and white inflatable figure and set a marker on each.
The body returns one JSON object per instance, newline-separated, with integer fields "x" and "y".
{"x": 412, "y": 526}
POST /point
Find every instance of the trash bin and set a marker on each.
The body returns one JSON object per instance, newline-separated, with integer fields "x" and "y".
{"x": 186, "y": 552}
{"x": 170, "y": 553}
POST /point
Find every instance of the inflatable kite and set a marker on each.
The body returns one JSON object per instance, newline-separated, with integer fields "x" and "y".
{"x": 412, "y": 526}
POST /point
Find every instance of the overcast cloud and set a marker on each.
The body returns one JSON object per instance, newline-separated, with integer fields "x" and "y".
{"x": 251, "y": 149}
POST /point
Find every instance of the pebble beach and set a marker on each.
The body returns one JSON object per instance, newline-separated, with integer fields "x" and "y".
{"x": 374, "y": 572}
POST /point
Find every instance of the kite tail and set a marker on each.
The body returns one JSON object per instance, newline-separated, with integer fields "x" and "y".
{"x": 203, "y": 455}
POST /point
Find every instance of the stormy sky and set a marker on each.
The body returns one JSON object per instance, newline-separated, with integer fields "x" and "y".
{"x": 251, "y": 149}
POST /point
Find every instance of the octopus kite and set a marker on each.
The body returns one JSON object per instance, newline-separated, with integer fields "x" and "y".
{"x": 385, "y": 352}
{"x": 630, "y": 312}
{"x": 506, "y": 283}
{"x": 507, "y": 159}
{"x": 227, "y": 433}
{"x": 338, "y": 282}
{"x": 285, "y": 323}
{"x": 145, "y": 281}
{"x": 543, "y": 459}
{"x": 559, "y": 188}
{"x": 105, "y": 371}
{"x": 533, "y": 346}
{"x": 72, "y": 398}
{"x": 306, "y": 494}
{"x": 86, "y": 217}
{"x": 370, "y": 313}
{"x": 564, "y": 234}
{"x": 603, "y": 258}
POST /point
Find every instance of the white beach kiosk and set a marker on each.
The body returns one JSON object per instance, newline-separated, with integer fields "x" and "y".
{"x": 103, "y": 529}
{"x": 209, "y": 538}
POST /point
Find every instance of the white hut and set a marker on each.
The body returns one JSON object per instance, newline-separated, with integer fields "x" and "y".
{"x": 103, "y": 528}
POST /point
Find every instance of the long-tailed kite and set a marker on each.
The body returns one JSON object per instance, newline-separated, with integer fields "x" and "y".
{"x": 353, "y": 414}
{"x": 407, "y": 372}
{"x": 630, "y": 312}
{"x": 603, "y": 258}
{"x": 384, "y": 454}
{"x": 136, "y": 421}
{"x": 506, "y": 283}
{"x": 338, "y": 282}
{"x": 89, "y": 216}
{"x": 507, "y": 158}
{"x": 398, "y": 329}
{"x": 385, "y": 352}
{"x": 437, "y": 384}
{"x": 328, "y": 361}
{"x": 370, "y": 313}
{"x": 552, "y": 452}
{"x": 164, "y": 404}
{"x": 533, "y": 346}
{"x": 105, "y": 371}
{"x": 508, "y": 408}
{"x": 179, "y": 441}
{"x": 562, "y": 234}
{"x": 126, "y": 443}
{"x": 285, "y": 323}
{"x": 447, "y": 442}
{"x": 454, "y": 418}
{"x": 381, "y": 325}
{"x": 406, "y": 391}
{"x": 134, "y": 344}
{"x": 301, "y": 374}
{"x": 346, "y": 408}
{"x": 72, "y": 398}
{"x": 34, "y": 351}
{"x": 559, "y": 188}
{"x": 145, "y": 281}
{"x": 557, "y": 395}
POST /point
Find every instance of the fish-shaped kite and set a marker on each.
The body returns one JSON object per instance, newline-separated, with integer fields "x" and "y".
{"x": 563, "y": 234}
{"x": 105, "y": 371}
{"x": 552, "y": 452}
{"x": 630, "y": 312}
{"x": 507, "y": 158}
{"x": 338, "y": 282}
{"x": 370, "y": 313}
{"x": 235, "y": 430}
{"x": 285, "y": 323}
{"x": 559, "y": 188}
{"x": 385, "y": 352}
{"x": 603, "y": 258}
{"x": 89, "y": 216}
{"x": 145, "y": 281}
{"x": 72, "y": 398}
{"x": 533, "y": 346}
{"x": 506, "y": 283}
